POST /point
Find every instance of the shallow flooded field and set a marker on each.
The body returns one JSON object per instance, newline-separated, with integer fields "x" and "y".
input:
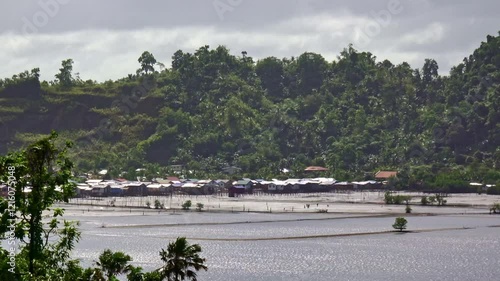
{"x": 246, "y": 246}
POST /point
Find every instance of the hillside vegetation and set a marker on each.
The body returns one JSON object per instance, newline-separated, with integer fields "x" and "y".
{"x": 211, "y": 109}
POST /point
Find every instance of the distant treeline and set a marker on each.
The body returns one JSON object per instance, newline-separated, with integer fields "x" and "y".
{"x": 210, "y": 110}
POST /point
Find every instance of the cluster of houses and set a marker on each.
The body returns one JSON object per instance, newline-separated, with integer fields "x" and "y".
{"x": 157, "y": 187}
{"x": 170, "y": 186}
{"x": 174, "y": 185}
{"x": 305, "y": 185}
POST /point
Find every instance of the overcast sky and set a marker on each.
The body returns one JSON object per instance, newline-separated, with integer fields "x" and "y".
{"x": 105, "y": 38}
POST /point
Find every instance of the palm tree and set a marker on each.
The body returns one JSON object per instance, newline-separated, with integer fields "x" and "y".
{"x": 113, "y": 264}
{"x": 135, "y": 274}
{"x": 181, "y": 261}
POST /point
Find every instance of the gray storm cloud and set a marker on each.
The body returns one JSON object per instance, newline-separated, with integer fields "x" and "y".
{"x": 105, "y": 38}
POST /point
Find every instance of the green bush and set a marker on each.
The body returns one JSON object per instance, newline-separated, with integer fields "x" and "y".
{"x": 408, "y": 209}
{"x": 431, "y": 200}
{"x": 400, "y": 224}
{"x": 187, "y": 205}
{"x": 424, "y": 201}
{"x": 396, "y": 199}
{"x": 440, "y": 200}
{"x": 495, "y": 208}
{"x": 199, "y": 207}
{"x": 158, "y": 204}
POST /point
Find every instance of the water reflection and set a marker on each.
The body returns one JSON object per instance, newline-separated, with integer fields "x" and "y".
{"x": 462, "y": 254}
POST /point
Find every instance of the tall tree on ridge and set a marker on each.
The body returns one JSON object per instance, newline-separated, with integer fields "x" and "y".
{"x": 147, "y": 61}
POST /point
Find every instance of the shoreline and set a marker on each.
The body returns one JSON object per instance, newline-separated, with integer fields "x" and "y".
{"x": 396, "y": 232}
{"x": 277, "y": 221}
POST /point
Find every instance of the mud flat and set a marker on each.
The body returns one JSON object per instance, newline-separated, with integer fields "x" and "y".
{"x": 339, "y": 203}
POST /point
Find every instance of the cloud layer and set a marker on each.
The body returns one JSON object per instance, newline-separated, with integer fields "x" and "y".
{"x": 105, "y": 38}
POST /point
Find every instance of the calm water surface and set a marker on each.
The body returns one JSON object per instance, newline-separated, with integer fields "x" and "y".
{"x": 463, "y": 254}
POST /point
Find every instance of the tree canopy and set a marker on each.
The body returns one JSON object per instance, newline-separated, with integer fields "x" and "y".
{"x": 212, "y": 109}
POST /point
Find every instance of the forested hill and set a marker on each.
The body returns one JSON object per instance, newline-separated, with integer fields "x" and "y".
{"x": 212, "y": 109}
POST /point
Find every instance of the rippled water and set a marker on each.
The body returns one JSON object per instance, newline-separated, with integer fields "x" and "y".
{"x": 459, "y": 254}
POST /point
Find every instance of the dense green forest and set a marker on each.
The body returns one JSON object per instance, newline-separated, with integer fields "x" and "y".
{"x": 210, "y": 109}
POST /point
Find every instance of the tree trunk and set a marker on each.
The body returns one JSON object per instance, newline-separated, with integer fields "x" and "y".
{"x": 31, "y": 254}
{"x": 33, "y": 247}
